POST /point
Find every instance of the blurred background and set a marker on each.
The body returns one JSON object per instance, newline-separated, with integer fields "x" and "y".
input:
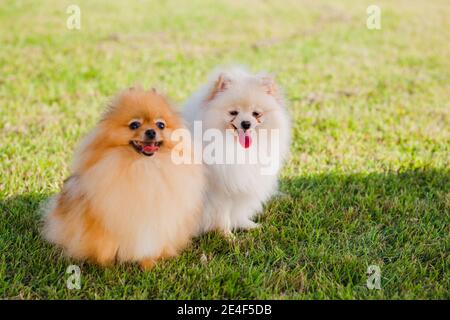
{"x": 366, "y": 86}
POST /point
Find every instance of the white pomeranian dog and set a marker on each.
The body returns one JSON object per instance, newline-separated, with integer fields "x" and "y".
{"x": 240, "y": 106}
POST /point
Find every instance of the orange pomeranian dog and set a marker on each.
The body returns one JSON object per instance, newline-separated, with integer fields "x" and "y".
{"x": 126, "y": 200}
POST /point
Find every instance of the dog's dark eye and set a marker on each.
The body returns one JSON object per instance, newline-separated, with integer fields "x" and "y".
{"x": 160, "y": 125}
{"x": 256, "y": 114}
{"x": 134, "y": 125}
{"x": 233, "y": 113}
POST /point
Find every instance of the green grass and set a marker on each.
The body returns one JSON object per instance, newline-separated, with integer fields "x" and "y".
{"x": 367, "y": 183}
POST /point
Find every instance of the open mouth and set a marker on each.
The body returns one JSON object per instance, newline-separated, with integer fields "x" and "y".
{"x": 147, "y": 148}
{"x": 244, "y": 136}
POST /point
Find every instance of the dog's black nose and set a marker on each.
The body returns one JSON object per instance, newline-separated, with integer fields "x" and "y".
{"x": 150, "y": 133}
{"x": 246, "y": 125}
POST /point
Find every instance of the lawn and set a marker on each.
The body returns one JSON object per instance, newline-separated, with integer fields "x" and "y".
{"x": 367, "y": 182}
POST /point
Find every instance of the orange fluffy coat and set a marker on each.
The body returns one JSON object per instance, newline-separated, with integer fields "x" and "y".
{"x": 119, "y": 204}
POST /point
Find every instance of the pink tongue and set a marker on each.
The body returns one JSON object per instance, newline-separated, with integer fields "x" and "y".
{"x": 150, "y": 148}
{"x": 245, "y": 139}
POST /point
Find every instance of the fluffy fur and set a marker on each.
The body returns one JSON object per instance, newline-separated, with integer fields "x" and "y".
{"x": 126, "y": 200}
{"x": 237, "y": 192}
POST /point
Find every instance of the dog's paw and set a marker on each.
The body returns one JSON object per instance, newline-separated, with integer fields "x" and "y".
{"x": 248, "y": 225}
{"x": 147, "y": 264}
{"x": 228, "y": 234}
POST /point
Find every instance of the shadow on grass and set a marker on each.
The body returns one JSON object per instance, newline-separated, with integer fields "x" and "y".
{"x": 322, "y": 226}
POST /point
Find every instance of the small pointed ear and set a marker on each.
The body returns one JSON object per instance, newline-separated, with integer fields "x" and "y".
{"x": 153, "y": 90}
{"x": 269, "y": 85}
{"x": 135, "y": 87}
{"x": 222, "y": 83}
